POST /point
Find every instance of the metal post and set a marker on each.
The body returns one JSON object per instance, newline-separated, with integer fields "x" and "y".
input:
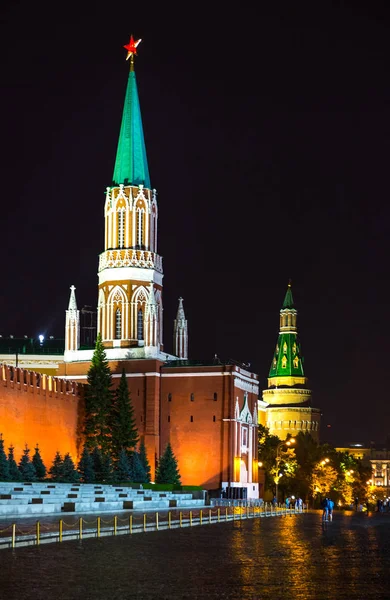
{"x": 60, "y": 530}
{"x": 169, "y": 520}
{"x": 226, "y": 511}
{"x": 219, "y": 514}
{"x": 81, "y": 527}
{"x": 209, "y": 515}
{"x": 190, "y": 518}
{"x": 200, "y": 517}
{"x": 13, "y": 534}
{"x": 144, "y": 522}
{"x": 115, "y": 524}
{"x": 98, "y": 526}
{"x": 131, "y": 523}
{"x": 157, "y": 521}
{"x": 38, "y": 532}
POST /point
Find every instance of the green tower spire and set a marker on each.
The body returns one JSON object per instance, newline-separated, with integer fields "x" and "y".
{"x": 131, "y": 164}
{"x": 287, "y": 363}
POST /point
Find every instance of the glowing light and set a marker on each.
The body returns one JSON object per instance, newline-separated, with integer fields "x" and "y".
{"x": 131, "y": 47}
{"x": 41, "y": 338}
{"x": 259, "y": 464}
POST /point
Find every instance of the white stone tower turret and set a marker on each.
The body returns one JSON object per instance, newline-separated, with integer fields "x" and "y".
{"x": 72, "y": 323}
{"x": 180, "y": 333}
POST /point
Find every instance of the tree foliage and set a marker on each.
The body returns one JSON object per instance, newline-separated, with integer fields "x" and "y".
{"x": 144, "y": 461}
{"x": 69, "y": 473}
{"x": 98, "y": 400}
{"x": 56, "y": 470}
{"x": 124, "y": 433}
{"x": 122, "y": 470}
{"x": 14, "y": 473}
{"x": 86, "y": 467}
{"x": 167, "y": 469}
{"x": 37, "y": 461}
{"x": 4, "y": 466}
{"x": 26, "y": 468}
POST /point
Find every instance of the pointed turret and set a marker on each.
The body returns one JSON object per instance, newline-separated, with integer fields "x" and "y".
{"x": 72, "y": 323}
{"x": 180, "y": 333}
{"x": 131, "y": 164}
{"x": 289, "y": 407}
{"x": 286, "y": 367}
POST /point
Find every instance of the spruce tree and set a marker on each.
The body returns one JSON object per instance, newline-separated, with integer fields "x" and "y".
{"x": 86, "y": 468}
{"x": 4, "y": 466}
{"x": 167, "y": 470}
{"x": 14, "y": 473}
{"x": 97, "y": 460}
{"x": 69, "y": 473}
{"x": 144, "y": 460}
{"x": 37, "y": 461}
{"x": 56, "y": 470}
{"x": 107, "y": 469}
{"x": 138, "y": 474}
{"x": 122, "y": 471}
{"x": 26, "y": 468}
{"x": 124, "y": 433}
{"x": 98, "y": 400}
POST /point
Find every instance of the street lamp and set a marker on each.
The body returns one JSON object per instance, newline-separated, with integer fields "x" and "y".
{"x": 278, "y": 459}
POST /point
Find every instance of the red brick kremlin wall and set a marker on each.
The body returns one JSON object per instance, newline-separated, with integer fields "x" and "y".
{"x": 39, "y": 409}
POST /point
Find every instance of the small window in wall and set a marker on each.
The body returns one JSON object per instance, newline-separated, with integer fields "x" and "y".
{"x": 142, "y": 418}
{"x": 138, "y": 393}
{"x": 140, "y": 325}
{"x": 244, "y": 436}
{"x": 118, "y": 324}
{"x": 191, "y": 419}
{"x": 215, "y": 396}
{"x": 169, "y": 397}
{"x": 169, "y": 419}
{"x": 192, "y": 397}
{"x": 214, "y": 418}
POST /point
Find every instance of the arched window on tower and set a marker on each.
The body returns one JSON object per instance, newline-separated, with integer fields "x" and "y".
{"x": 121, "y": 228}
{"x": 118, "y": 324}
{"x": 140, "y": 227}
{"x": 140, "y": 325}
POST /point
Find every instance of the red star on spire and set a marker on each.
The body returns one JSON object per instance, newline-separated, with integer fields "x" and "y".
{"x": 131, "y": 47}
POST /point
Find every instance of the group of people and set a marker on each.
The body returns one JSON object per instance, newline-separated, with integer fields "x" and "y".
{"x": 327, "y": 509}
{"x": 295, "y": 503}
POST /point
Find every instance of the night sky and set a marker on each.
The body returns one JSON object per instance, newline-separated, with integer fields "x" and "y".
{"x": 268, "y": 140}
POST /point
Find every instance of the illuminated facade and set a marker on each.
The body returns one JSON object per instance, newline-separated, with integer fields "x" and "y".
{"x": 288, "y": 399}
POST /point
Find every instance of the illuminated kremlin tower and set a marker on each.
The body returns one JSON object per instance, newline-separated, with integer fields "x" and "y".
{"x": 288, "y": 398}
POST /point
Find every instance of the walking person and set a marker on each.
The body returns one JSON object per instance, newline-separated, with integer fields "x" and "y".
{"x": 330, "y": 509}
{"x": 325, "y": 509}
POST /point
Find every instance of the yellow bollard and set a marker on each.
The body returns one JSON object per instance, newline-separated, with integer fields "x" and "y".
{"x": 219, "y": 515}
{"x": 157, "y": 521}
{"x": 209, "y": 515}
{"x": 247, "y": 511}
{"x": 13, "y": 534}
{"x": 60, "y": 531}
{"x": 169, "y": 520}
{"x": 38, "y": 532}
{"x": 131, "y": 523}
{"x": 200, "y": 516}
{"x": 144, "y": 522}
{"x": 190, "y": 518}
{"x": 226, "y": 510}
{"x": 115, "y": 524}
{"x": 98, "y": 526}
{"x": 81, "y": 527}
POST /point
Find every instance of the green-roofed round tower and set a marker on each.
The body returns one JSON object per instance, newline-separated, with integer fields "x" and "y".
{"x": 288, "y": 397}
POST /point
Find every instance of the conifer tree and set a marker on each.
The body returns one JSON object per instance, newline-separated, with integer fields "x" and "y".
{"x": 56, "y": 470}
{"x": 107, "y": 469}
{"x": 69, "y": 473}
{"x": 86, "y": 468}
{"x": 167, "y": 470}
{"x": 26, "y": 468}
{"x": 14, "y": 473}
{"x": 98, "y": 400}
{"x": 122, "y": 471}
{"x": 4, "y": 466}
{"x": 97, "y": 460}
{"x": 144, "y": 460}
{"x": 124, "y": 433}
{"x": 138, "y": 474}
{"x": 37, "y": 461}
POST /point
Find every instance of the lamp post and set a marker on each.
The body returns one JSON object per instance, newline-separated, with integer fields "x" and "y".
{"x": 278, "y": 459}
